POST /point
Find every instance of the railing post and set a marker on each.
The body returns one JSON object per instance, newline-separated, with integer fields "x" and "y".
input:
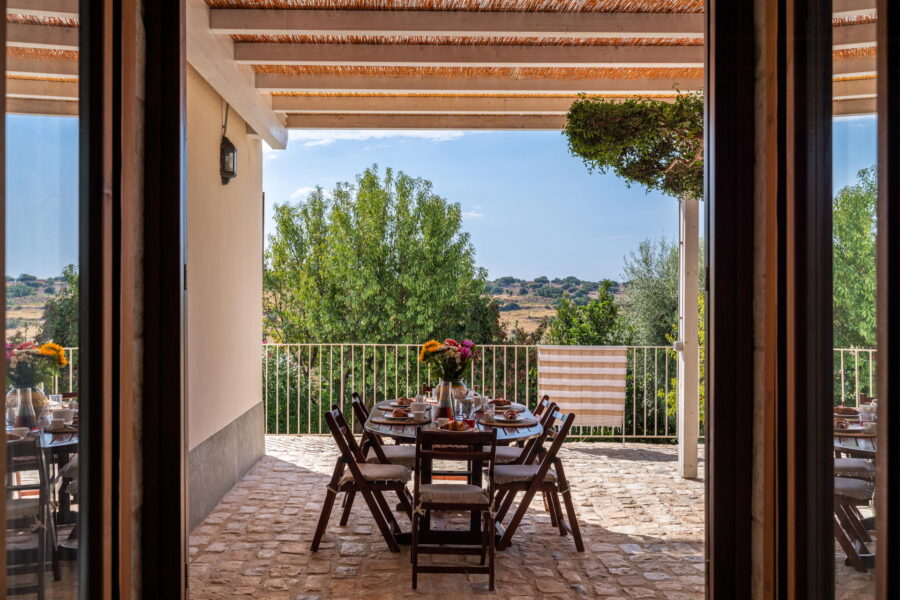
{"x": 688, "y": 333}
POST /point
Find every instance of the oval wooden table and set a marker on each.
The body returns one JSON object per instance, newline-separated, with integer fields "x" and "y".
{"x": 406, "y": 433}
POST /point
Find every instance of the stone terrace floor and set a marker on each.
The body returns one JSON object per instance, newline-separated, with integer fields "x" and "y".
{"x": 642, "y": 527}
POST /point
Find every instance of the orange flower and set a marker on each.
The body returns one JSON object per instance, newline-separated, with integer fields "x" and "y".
{"x": 429, "y": 347}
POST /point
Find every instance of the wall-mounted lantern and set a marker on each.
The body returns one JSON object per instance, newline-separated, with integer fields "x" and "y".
{"x": 227, "y": 154}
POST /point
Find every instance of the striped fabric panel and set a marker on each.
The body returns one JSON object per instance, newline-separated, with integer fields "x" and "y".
{"x": 586, "y": 380}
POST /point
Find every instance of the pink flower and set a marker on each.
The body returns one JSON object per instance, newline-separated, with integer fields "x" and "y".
{"x": 468, "y": 343}
{"x": 465, "y": 352}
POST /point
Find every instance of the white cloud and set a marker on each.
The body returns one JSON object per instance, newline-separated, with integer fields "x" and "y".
{"x": 312, "y": 138}
{"x": 302, "y": 192}
{"x": 475, "y": 213}
{"x": 272, "y": 156}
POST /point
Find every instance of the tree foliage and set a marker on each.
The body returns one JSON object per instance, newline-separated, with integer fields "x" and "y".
{"x": 597, "y": 323}
{"x": 854, "y": 262}
{"x": 61, "y": 313}
{"x": 650, "y": 303}
{"x": 649, "y": 142}
{"x": 384, "y": 260}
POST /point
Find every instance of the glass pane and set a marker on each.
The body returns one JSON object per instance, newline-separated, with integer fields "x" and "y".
{"x": 854, "y": 129}
{"x": 42, "y": 304}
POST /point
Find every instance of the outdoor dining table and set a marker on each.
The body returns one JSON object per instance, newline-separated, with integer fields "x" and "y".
{"x": 406, "y": 433}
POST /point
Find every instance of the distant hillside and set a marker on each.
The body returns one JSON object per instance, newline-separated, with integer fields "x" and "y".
{"x": 26, "y": 296}
{"x": 527, "y": 302}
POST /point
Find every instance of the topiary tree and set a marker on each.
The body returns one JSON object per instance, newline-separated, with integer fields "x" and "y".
{"x": 653, "y": 143}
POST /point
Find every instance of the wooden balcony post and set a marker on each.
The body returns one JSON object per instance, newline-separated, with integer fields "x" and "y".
{"x": 688, "y": 345}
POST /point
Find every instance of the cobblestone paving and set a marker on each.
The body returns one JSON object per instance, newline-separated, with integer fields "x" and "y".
{"x": 642, "y": 526}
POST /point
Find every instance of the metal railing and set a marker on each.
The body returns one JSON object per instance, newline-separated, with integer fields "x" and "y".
{"x": 302, "y": 381}
{"x": 854, "y": 374}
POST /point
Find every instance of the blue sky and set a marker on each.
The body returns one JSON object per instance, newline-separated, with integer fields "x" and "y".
{"x": 531, "y": 208}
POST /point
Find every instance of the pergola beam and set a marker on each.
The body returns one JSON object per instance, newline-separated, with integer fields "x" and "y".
{"x": 850, "y": 108}
{"x": 854, "y": 88}
{"x": 58, "y": 9}
{"x": 455, "y": 23}
{"x": 37, "y": 67}
{"x": 46, "y": 90}
{"x": 858, "y": 66}
{"x": 402, "y": 121}
{"x": 861, "y": 35}
{"x": 45, "y": 37}
{"x": 424, "y": 104}
{"x": 277, "y": 82}
{"x": 47, "y": 108}
{"x": 424, "y": 55}
{"x": 211, "y": 56}
{"x": 848, "y": 9}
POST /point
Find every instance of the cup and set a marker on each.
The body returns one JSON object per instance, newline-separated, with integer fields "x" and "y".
{"x": 57, "y": 423}
{"x": 418, "y": 415}
{"x": 488, "y": 415}
{"x": 64, "y": 414}
{"x": 19, "y": 432}
{"x": 419, "y": 406}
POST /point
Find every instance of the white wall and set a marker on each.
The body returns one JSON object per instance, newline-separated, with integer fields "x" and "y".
{"x": 224, "y": 274}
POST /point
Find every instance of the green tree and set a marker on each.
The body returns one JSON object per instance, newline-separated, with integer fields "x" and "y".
{"x": 854, "y": 262}
{"x": 597, "y": 323}
{"x": 653, "y": 143}
{"x": 384, "y": 260}
{"x": 650, "y": 303}
{"x": 61, "y": 313}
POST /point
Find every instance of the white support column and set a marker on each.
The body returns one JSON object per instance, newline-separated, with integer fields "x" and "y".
{"x": 688, "y": 345}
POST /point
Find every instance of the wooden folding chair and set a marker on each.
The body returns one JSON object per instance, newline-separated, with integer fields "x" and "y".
{"x": 381, "y": 453}
{"x": 546, "y": 476}
{"x": 849, "y": 530}
{"x": 353, "y": 474}
{"x": 477, "y": 448}
{"x": 530, "y": 449}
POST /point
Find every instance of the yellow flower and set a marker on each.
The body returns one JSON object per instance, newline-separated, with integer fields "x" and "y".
{"x": 56, "y": 351}
{"x": 429, "y": 347}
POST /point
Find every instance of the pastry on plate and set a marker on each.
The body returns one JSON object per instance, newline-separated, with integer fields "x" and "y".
{"x": 511, "y": 415}
{"x": 846, "y": 410}
{"x": 501, "y": 402}
{"x": 455, "y": 426}
{"x": 399, "y": 413}
{"x": 403, "y": 401}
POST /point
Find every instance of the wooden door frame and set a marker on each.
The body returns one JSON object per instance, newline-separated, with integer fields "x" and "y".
{"x": 769, "y": 264}
{"x": 888, "y": 367}
{"x": 163, "y": 524}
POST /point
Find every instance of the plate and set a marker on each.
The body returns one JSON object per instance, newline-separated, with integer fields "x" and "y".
{"x": 395, "y": 405}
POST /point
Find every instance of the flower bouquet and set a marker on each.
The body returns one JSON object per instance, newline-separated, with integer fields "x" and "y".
{"x": 450, "y": 360}
{"x": 28, "y": 366}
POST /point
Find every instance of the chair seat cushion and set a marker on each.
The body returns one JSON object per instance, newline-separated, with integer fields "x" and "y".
{"x": 397, "y": 455}
{"x": 449, "y": 493}
{"x": 380, "y": 473}
{"x": 505, "y": 454}
{"x": 504, "y": 474}
{"x": 25, "y": 508}
{"x": 854, "y": 467}
{"x": 853, "y": 488}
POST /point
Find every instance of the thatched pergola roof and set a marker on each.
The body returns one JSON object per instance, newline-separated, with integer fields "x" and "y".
{"x": 424, "y": 63}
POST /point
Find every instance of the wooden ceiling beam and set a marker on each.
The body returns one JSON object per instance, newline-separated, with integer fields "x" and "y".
{"x": 45, "y": 37}
{"x": 41, "y": 67}
{"x": 849, "y": 9}
{"x": 36, "y": 88}
{"x": 848, "y": 108}
{"x": 854, "y": 36}
{"x": 211, "y": 56}
{"x": 47, "y": 108}
{"x": 423, "y": 55}
{"x": 854, "y": 89}
{"x": 276, "y": 82}
{"x": 454, "y": 23}
{"x": 405, "y": 121}
{"x": 59, "y": 9}
{"x": 424, "y": 104}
